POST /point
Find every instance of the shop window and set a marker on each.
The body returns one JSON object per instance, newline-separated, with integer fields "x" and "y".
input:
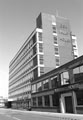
{"x": 34, "y": 101}
{"x": 55, "y": 99}
{"x": 46, "y": 84}
{"x": 64, "y": 78}
{"x": 39, "y": 86}
{"x": 79, "y": 95}
{"x": 40, "y": 101}
{"x": 47, "y": 100}
{"x": 54, "y": 83}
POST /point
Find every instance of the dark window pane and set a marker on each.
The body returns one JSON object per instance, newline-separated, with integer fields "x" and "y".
{"x": 46, "y": 84}
{"x": 40, "y": 101}
{"x": 55, "y": 100}
{"x": 34, "y": 101}
{"x": 79, "y": 95}
{"x": 47, "y": 101}
{"x": 54, "y": 82}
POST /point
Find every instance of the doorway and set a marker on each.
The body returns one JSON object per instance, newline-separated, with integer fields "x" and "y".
{"x": 67, "y": 103}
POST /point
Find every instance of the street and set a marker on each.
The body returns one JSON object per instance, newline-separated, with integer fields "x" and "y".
{"x": 12, "y": 114}
{"x": 8, "y": 114}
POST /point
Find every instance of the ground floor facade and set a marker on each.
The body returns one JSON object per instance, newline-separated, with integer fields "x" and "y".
{"x": 60, "y": 90}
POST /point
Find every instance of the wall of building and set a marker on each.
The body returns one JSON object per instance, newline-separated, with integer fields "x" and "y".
{"x": 64, "y": 40}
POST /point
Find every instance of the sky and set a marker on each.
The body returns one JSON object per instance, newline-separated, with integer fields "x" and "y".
{"x": 18, "y": 20}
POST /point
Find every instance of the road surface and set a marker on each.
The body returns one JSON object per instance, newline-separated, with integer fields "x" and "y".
{"x": 8, "y": 114}
{"x": 11, "y": 114}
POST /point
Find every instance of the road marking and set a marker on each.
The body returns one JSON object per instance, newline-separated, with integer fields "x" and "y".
{"x": 16, "y": 118}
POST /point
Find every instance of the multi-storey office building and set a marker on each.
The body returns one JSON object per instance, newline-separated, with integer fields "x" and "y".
{"x": 50, "y": 45}
{"x": 60, "y": 90}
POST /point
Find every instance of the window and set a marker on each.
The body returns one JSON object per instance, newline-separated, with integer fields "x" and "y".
{"x": 35, "y": 73}
{"x": 79, "y": 95}
{"x": 34, "y": 50}
{"x": 35, "y": 61}
{"x": 78, "y": 73}
{"x": 40, "y": 47}
{"x": 54, "y": 28}
{"x": 76, "y": 70}
{"x": 57, "y": 59}
{"x": 40, "y": 36}
{"x": 40, "y": 101}
{"x": 34, "y": 88}
{"x": 55, "y": 39}
{"x": 54, "y": 83}
{"x": 56, "y": 50}
{"x": 41, "y": 70}
{"x": 55, "y": 100}
{"x": 34, "y": 101}
{"x": 46, "y": 84}
{"x": 64, "y": 78}
{"x": 47, "y": 100}
{"x": 75, "y": 52}
{"x": 39, "y": 86}
{"x": 41, "y": 59}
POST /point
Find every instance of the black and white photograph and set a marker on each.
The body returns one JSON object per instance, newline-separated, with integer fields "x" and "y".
{"x": 41, "y": 59}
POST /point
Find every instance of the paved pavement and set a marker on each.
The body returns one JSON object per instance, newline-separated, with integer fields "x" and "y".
{"x": 10, "y": 114}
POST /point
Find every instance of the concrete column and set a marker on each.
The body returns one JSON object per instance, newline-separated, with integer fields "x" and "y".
{"x": 51, "y": 103}
{"x": 74, "y": 102}
{"x": 50, "y": 84}
{"x": 37, "y": 101}
{"x": 62, "y": 107}
{"x": 43, "y": 102}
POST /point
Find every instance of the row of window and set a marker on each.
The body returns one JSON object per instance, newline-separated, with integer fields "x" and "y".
{"x": 23, "y": 51}
{"x": 24, "y": 68}
{"x": 56, "y": 48}
{"x": 44, "y": 101}
{"x": 23, "y": 60}
{"x": 45, "y": 85}
{"x": 22, "y": 77}
{"x": 20, "y": 95}
{"x": 53, "y": 82}
{"x": 20, "y": 90}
